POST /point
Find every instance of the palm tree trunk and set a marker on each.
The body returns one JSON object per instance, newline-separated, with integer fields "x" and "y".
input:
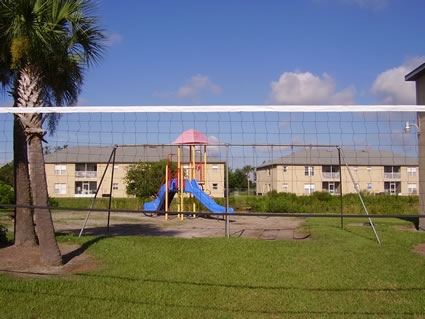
{"x": 29, "y": 94}
{"x": 49, "y": 249}
{"x": 24, "y": 223}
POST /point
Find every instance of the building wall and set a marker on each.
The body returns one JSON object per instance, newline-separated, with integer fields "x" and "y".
{"x": 215, "y": 180}
{"x": 420, "y": 91}
{"x": 293, "y": 179}
{"x": 67, "y": 176}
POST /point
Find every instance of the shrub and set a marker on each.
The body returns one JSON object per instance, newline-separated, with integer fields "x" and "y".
{"x": 3, "y": 236}
{"x": 323, "y": 196}
{"x": 7, "y": 195}
{"x": 53, "y": 202}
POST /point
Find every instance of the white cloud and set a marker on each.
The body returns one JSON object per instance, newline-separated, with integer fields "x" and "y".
{"x": 114, "y": 38}
{"x": 198, "y": 84}
{"x": 372, "y": 4}
{"x": 390, "y": 86}
{"x": 376, "y": 4}
{"x": 214, "y": 150}
{"x": 82, "y": 101}
{"x": 308, "y": 89}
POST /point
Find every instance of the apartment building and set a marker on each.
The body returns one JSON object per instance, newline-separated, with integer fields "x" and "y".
{"x": 309, "y": 170}
{"x": 84, "y": 170}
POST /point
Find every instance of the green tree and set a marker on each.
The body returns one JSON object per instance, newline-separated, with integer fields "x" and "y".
{"x": 6, "y": 194}
{"x": 48, "y": 149}
{"x": 247, "y": 170}
{"x": 6, "y": 174}
{"x": 145, "y": 178}
{"x": 237, "y": 179}
{"x": 6, "y": 184}
{"x": 45, "y": 48}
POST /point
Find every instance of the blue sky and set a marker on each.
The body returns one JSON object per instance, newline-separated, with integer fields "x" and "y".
{"x": 258, "y": 52}
{"x": 299, "y": 52}
{"x": 191, "y": 52}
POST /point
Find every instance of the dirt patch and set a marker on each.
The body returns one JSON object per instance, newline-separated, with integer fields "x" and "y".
{"x": 25, "y": 261}
{"x": 130, "y": 224}
{"x": 420, "y": 249}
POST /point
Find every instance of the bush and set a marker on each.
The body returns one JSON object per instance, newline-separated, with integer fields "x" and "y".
{"x": 7, "y": 195}
{"x": 53, "y": 202}
{"x": 3, "y": 236}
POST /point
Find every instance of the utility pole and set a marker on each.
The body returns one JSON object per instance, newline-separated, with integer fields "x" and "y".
{"x": 418, "y": 75}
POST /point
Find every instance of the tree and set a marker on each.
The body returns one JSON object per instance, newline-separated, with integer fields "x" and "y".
{"x": 47, "y": 149}
{"x": 247, "y": 170}
{"x": 45, "y": 48}
{"x": 145, "y": 178}
{"x": 237, "y": 179}
{"x": 6, "y": 194}
{"x": 6, "y": 184}
{"x": 6, "y": 174}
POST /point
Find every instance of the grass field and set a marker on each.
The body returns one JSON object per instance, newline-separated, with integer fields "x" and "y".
{"x": 337, "y": 274}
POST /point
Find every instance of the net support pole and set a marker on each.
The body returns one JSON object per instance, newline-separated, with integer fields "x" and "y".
{"x": 97, "y": 191}
{"x": 356, "y": 187}
{"x": 421, "y": 162}
{"x": 114, "y": 151}
{"x": 340, "y": 187}
{"x": 227, "y": 193}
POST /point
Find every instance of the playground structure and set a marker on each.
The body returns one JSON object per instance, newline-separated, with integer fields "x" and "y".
{"x": 190, "y": 178}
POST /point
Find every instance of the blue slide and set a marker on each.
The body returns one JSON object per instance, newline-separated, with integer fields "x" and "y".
{"x": 193, "y": 188}
{"x": 159, "y": 202}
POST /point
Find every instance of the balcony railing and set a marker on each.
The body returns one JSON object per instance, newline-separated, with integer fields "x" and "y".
{"x": 86, "y": 174}
{"x": 392, "y": 175}
{"x": 330, "y": 175}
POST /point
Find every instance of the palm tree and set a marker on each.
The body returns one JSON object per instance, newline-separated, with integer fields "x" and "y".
{"x": 24, "y": 224}
{"x": 50, "y": 43}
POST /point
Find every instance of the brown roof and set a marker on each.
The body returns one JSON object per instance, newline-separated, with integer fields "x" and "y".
{"x": 126, "y": 154}
{"x": 416, "y": 73}
{"x": 351, "y": 157}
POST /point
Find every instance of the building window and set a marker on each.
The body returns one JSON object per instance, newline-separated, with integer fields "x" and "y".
{"x": 369, "y": 186}
{"x": 60, "y": 189}
{"x": 285, "y": 169}
{"x": 86, "y": 170}
{"x": 411, "y": 188}
{"x": 285, "y": 187}
{"x": 215, "y": 186}
{"x": 268, "y": 172}
{"x": 60, "y": 169}
{"x": 85, "y": 188}
{"x": 308, "y": 188}
{"x": 411, "y": 171}
{"x": 115, "y": 186}
{"x": 215, "y": 167}
{"x": 309, "y": 170}
{"x": 355, "y": 168}
{"x": 116, "y": 167}
{"x": 369, "y": 168}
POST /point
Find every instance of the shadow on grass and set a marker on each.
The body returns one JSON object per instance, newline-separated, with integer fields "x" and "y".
{"x": 231, "y": 310}
{"x": 253, "y": 286}
{"x": 101, "y": 233}
{"x": 129, "y": 229}
{"x": 77, "y": 252}
{"x": 413, "y": 220}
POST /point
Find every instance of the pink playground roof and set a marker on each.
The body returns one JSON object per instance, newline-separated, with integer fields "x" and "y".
{"x": 191, "y": 137}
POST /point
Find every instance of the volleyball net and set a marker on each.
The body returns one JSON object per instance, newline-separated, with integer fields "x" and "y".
{"x": 292, "y": 149}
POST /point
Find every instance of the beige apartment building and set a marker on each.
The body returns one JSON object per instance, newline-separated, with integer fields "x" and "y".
{"x": 310, "y": 170}
{"x": 82, "y": 171}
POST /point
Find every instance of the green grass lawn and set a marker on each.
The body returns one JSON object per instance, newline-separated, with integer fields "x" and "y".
{"x": 336, "y": 274}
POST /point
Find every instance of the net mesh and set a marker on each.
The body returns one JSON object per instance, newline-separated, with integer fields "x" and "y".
{"x": 270, "y": 139}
